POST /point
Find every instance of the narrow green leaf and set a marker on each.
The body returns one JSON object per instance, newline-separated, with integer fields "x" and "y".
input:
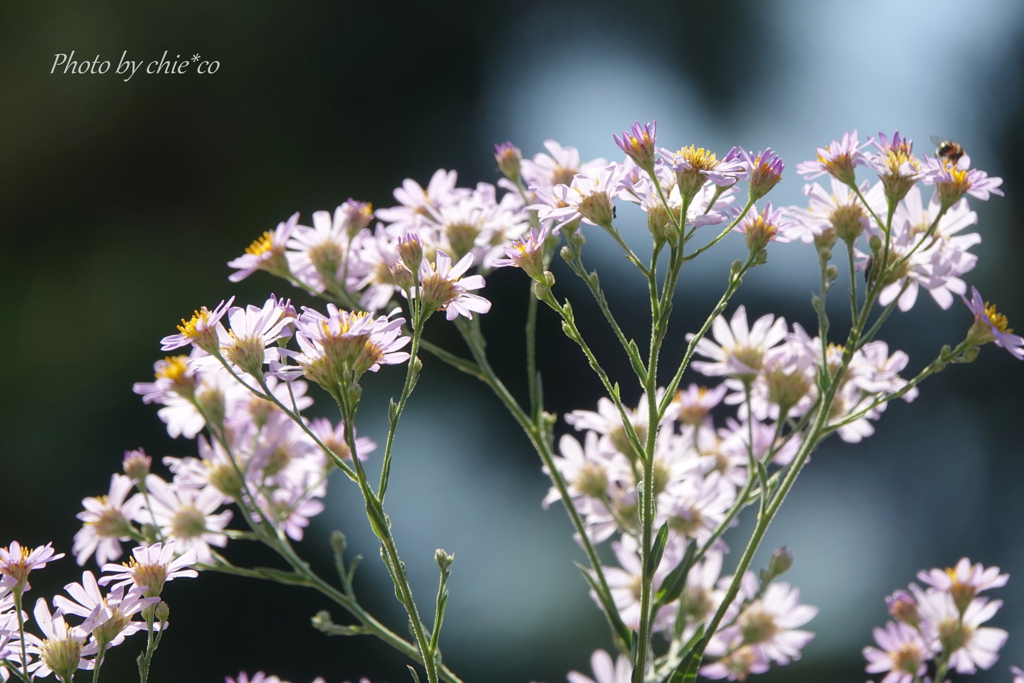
{"x": 412, "y": 671}
{"x": 611, "y": 612}
{"x": 657, "y": 550}
{"x": 675, "y": 583}
{"x": 638, "y": 363}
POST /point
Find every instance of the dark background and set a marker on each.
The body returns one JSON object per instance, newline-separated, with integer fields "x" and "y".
{"x": 121, "y": 202}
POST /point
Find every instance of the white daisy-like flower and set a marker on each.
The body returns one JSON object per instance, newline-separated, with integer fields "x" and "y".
{"x": 150, "y": 567}
{"x": 563, "y": 164}
{"x": 903, "y": 653}
{"x": 971, "y": 645}
{"x": 63, "y": 650}
{"x": 107, "y": 522}
{"x": 266, "y": 253}
{"x": 16, "y": 563}
{"x": 442, "y": 287}
{"x": 740, "y": 349}
{"x": 107, "y": 617}
{"x": 189, "y": 517}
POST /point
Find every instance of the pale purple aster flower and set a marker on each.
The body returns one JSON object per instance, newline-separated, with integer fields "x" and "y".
{"x": 695, "y": 166}
{"x": 333, "y": 436}
{"x": 336, "y": 346}
{"x": 174, "y": 377}
{"x": 290, "y": 510}
{"x": 839, "y": 160}
{"x": 964, "y": 581}
{"x": 764, "y": 170}
{"x": 605, "y": 671}
{"x": 589, "y": 198}
{"x": 106, "y": 521}
{"x": 471, "y": 225}
{"x": 903, "y": 653}
{"x": 377, "y": 254}
{"x": 970, "y": 645}
{"x": 527, "y": 253}
{"x": 63, "y": 650}
{"x": 762, "y": 228}
{"x": 317, "y": 255}
{"x": 266, "y": 253}
{"x": 509, "y": 159}
{"x": 587, "y": 469}
{"x": 770, "y": 626}
{"x": 903, "y": 607}
{"x": 896, "y": 165}
{"x": 543, "y": 171}
{"x": 935, "y": 266}
{"x": 624, "y": 582}
{"x": 107, "y": 617}
{"x": 700, "y": 597}
{"x": 354, "y": 216}
{"x": 136, "y": 465}
{"x": 1018, "y": 674}
{"x": 188, "y": 516}
{"x": 203, "y": 331}
{"x": 415, "y": 201}
{"x": 254, "y": 329}
{"x": 735, "y": 440}
{"x": 16, "y": 563}
{"x": 737, "y": 665}
{"x": 837, "y": 214}
{"x": 740, "y": 349}
{"x": 953, "y": 181}
{"x": 607, "y": 422}
{"x": 991, "y": 326}
{"x": 442, "y": 287}
{"x": 694, "y": 507}
{"x": 694, "y": 403}
{"x": 638, "y": 144}
{"x": 150, "y": 567}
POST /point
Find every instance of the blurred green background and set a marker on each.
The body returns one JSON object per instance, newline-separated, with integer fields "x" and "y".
{"x": 120, "y": 204}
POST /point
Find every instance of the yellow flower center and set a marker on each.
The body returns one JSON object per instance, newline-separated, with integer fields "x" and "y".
{"x": 699, "y": 158}
{"x": 261, "y": 245}
{"x": 998, "y": 321}
{"x": 197, "y": 325}
{"x": 174, "y": 368}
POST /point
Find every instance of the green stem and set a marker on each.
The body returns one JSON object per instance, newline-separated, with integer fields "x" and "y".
{"x": 19, "y": 590}
{"x": 382, "y": 529}
{"x": 395, "y": 411}
{"x": 532, "y": 378}
{"x": 482, "y": 370}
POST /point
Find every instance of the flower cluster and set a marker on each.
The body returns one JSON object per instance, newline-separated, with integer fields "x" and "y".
{"x": 340, "y": 256}
{"x": 940, "y": 625}
{"x": 700, "y": 472}
{"x": 107, "y": 617}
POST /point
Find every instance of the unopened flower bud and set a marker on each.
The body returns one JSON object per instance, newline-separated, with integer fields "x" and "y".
{"x": 357, "y": 215}
{"x": 136, "y": 465}
{"x": 338, "y": 542}
{"x": 849, "y": 221}
{"x": 780, "y": 562}
{"x": 403, "y": 277}
{"x": 443, "y": 559}
{"x": 826, "y": 240}
{"x": 831, "y": 273}
{"x": 638, "y": 144}
{"x": 162, "y": 611}
{"x": 508, "y": 157}
{"x": 660, "y": 224}
{"x": 875, "y": 243}
{"x": 410, "y": 250}
{"x": 903, "y": 607}
{"x": 765, "y": 173}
